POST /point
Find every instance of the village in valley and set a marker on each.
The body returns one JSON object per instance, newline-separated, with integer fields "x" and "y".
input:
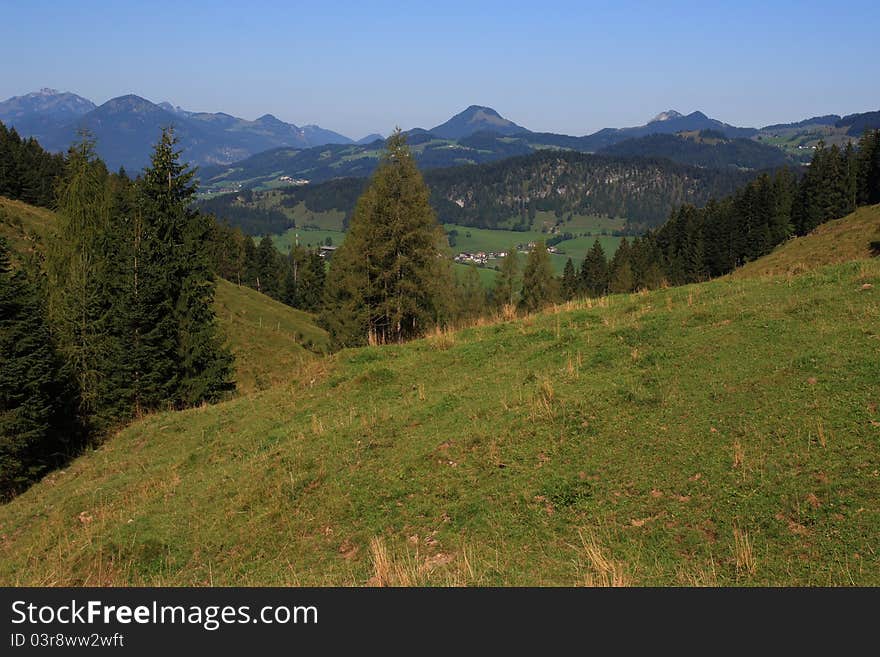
{"x": 482, "y": 258}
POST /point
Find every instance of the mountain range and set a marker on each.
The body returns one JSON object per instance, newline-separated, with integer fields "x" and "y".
{"x": 125, "y": 128}
{"x": 693, "y": 139}
{"x": 234, "y": 152}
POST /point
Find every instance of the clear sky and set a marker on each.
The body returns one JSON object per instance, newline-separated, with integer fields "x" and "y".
{"x": 360, "y": 67}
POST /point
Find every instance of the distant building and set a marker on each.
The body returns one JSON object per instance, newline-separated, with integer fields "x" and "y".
{"x": 293, "y": 181}
{"x": 327, "y": 252}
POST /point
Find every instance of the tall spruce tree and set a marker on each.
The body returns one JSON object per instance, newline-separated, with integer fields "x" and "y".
{"x": 868, "y": 168}
{"x": 540, "y": 288}
{"x": 594, "y": 271}
{"x": 507, "y": 284}
{"x": 391, "y": 278}
{"x": 621, "y": 274}
{"x": 204, "y": 364}
{"x": 268, "y": 268}
{"x": 145, "y": 375}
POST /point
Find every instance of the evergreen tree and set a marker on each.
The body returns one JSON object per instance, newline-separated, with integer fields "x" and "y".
{"x": 570, "y": 284}
{"x": 312, "y": 278}
{"x": 868, "y": 169}
{"x": 621, "y": 275}
{"x": 268, "y": 268}
{"x": 251, "y": 276}
{"x": 167, "y": 192}
{"x": 507, "y": 283}
{"x": 540, "y": 288}
{"x": 37, "y": 405}
{"x": 227, "y": 251}
{"x": 390, "y": 279}
{"x": 784, "y": 189}
{"x": 144, "y": 375}
{"x": 594, "y": 271}
{"x": 27, "y": 172}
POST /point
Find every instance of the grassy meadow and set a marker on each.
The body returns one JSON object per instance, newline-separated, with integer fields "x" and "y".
{"x": 572, "y": 447}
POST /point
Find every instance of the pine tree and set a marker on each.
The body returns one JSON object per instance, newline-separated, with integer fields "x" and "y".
{"x": 621, "y": 275}
{"x": 594, "y": 271}
{"x": 540, "y": 288}
{"x": 310, "y": 286}
{"x": 268, "y": 268}
{"x": 251, "y": 276}
{"x": 144, "y": 375}
{"x": 37, "y": 405}
{"x": 569, "y": 281}
{"x": 167, "y": 192}
{"x": 390, "y": 279}
{"x": 868, "y": 168}
{"x": 506, "y": 290}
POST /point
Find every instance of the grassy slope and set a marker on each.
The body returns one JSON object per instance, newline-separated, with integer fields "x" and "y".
{"x": 721, "y": 433}
{"x": 25, "y": 226}
{"x": 269, "y": 339}
{"x": 837, "y": 241}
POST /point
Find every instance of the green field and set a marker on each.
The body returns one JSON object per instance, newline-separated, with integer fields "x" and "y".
{"x": 469, "y": 240}
{"x": 724, "y": 434}
{"x": 307, "y": 238}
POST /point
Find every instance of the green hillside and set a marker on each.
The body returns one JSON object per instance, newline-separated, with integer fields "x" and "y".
{"x": 269, "y": 340}
{"x": 24, "y": 226}
{"x": 723, "y": 433}
{"x": 836, "y": 241}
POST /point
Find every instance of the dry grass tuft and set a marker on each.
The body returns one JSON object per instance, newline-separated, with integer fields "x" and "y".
{"x": 738, "y": 454}
{"x": 439, "y": 569}
{"x": 743, "y": 553}
{"x": 701, "y": 577}
{"x": 544, "y": 401}
{"x": 442, "y": 338}
{"x": 508, "y": 312}
{"x": 602, "y": 571}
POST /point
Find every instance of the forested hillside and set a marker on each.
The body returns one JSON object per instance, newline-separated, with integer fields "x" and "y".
{"x": 705, "y": 148}
{"x": 507, "y": 194}
{"x": 641, "y": 190}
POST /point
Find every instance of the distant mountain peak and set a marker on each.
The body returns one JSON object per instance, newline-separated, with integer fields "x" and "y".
{"x": 129, "y": 103}
{"x": 666, "y": 116}
{"x": 482, "y": 108}
{"x": 476, "y": 118}
{"x": 37, "y": 113}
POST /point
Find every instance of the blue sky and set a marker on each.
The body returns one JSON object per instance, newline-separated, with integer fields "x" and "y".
{"x": 359, "y": 67}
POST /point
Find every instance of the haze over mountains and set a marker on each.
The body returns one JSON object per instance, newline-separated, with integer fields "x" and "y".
{"x": 233, "y": 151}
